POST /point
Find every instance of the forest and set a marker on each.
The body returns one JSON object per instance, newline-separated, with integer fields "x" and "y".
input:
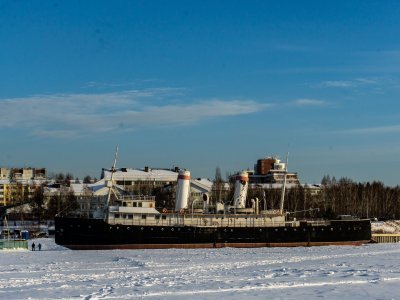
{"x": 339, "y": 197}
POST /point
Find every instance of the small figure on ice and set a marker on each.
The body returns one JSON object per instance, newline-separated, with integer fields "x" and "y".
{"x": 33, "y": 246}
{"x": 40, "y": 246}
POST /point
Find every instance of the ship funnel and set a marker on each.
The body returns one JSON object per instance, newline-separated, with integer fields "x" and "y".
{"x": 206, "y": 201}
{"x": 241, "y": 185}
{"x": 182, "y": 190}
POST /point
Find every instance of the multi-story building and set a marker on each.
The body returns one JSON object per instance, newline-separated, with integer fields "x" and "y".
{"x": 270, "y": 173}
{"x": 141, "y": 181}
{"x": 271, "y": 170}
{"x": 19, "y": 184}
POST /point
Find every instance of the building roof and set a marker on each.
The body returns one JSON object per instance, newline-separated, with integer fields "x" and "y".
{"x": 202, "y": 184}
{"x": 147, "y": 174}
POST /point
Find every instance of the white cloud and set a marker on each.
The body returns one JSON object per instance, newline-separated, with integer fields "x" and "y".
{"x": 292, "y": 48}
{"x": 73, "y": 115}
{"x": 309, "y": 102}
{"x": 345, "y": 83}
{"x": 373, "y": 130}
{"x": 338, "y": 84}
{"x": 366, "y": 80}
{"x": 126, "y": 85}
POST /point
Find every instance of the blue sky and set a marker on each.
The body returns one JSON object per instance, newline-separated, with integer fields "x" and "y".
{"x": 200, "y": 84}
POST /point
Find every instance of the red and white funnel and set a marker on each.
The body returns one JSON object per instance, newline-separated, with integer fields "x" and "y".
{"x": 182, "y": 191}
{"x": 241, "y": 186}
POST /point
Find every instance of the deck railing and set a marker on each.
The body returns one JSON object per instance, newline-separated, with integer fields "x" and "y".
{"x": 203, "y": 220}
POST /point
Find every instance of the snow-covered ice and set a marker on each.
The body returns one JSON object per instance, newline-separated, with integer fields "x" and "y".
{"x": 336, "y": 272}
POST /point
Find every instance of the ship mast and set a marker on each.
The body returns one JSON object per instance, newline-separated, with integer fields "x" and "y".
{"x": 110, "y": 183}
{"x": 284, "y": 185}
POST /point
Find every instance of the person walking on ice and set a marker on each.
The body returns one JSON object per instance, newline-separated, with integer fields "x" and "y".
{"x": 33, "y": 246}
{"x": 40, "y": 246}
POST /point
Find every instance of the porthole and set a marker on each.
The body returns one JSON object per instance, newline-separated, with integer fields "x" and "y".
{"x": 304, "y": 229}
{"x": 172, "y": 229}
{"x": 162, "y": 229}
{"x": 225, "y": 230}
{"x": 331, "y": 229}
{"x": 260, "y": 230}
{"x": 128, "y": 228}
{"x": 294, "y": 229}
{"x": 276, "y": 229}
{"x": 322, "y": 229}
{"x": 231, "y": 230}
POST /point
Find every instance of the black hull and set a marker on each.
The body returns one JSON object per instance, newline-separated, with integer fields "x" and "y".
{"x": 76, "y": 233}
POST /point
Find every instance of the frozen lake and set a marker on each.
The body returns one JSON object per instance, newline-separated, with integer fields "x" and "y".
{"x": 340, "y": 272}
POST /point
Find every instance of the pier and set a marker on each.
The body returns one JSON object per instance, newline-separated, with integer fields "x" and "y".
{"x": 386, "y": 238}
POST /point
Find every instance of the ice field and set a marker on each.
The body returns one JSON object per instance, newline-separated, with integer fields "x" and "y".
{"x": 336, "y": 272}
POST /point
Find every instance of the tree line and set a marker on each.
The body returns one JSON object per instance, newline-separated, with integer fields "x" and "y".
{"x": 338, "y": 197}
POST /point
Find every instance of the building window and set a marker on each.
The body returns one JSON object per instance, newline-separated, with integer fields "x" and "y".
{"x": 143, "y": 217}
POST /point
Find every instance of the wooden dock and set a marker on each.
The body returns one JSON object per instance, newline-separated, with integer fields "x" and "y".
{"x": 385, "y": 238}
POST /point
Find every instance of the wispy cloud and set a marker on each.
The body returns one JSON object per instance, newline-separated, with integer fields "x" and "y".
{"x": 373, "y": 130}
{"x": 74, "y": 115}
{"x": 126, "y": 85}
{"x": 308, "y": 102}
{"x": 357, "y": 82}
{"x": 292, "y": 48}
